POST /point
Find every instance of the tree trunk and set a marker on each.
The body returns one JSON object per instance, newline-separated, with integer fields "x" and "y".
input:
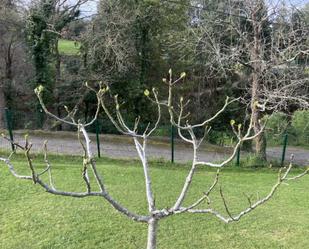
{"x": 256, "y": 54}
{"x": 2, "y": 106}
{"x": 53, "y": 106}
{"x": 8, "y": 77}
{"x": 260, "y": 140}
{"x": 57, "y": 84}
{"x": 152, "y": 234}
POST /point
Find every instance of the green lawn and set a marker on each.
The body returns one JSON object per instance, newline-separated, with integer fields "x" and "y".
{"x": 32, "y": 218}
{"x": 68, "y": 47}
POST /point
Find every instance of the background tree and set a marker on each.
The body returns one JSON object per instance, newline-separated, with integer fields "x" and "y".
{"x": 14, "y": 69}
{"x": 125, "y": 45}
{"x": 250, "y": 58}
{"x": 46, "y": 21}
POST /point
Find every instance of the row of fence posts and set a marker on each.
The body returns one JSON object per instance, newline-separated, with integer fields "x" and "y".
{"x": 9, "y": 122}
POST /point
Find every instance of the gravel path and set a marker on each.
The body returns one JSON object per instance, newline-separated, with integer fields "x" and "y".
{"x": 121, "y": 147}
{"x": 301, "y": 156}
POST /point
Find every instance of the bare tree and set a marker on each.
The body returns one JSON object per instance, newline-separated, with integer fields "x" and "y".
{"x": 270, "y": 59}
{"x": 185, "y": 130}
{"x": 45, "y": 22}
{"x": 108, "y": 44}
{"x": 262, "y": 48}
{"x": 7, "y": 44}
{"x": 12, "y": 53}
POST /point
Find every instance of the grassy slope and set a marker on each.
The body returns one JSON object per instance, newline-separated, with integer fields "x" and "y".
{"x": 68, "y": 47}
{"x": 31, "y": 218}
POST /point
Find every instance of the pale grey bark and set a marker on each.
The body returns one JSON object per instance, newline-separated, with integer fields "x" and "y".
{"x": 141, "y": 150}
{"x": 152, "y": 233}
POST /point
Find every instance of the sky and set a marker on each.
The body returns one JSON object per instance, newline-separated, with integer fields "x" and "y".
{"x": 90, "y": 8}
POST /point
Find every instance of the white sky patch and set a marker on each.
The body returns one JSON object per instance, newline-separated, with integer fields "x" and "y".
{"x": 90, "y": 7}
{"x": 87, "y": 9}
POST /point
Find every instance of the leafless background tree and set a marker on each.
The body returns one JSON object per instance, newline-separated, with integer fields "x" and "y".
{"x": 14, "y": 70}
{"x": 260, "y": 47}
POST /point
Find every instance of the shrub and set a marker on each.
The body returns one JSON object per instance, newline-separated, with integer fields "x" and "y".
{"x": 221, "y": 138}
{"x": 277, "y": 125}
{"x": 164, "y": 131}
{"x": 300, "y": 126}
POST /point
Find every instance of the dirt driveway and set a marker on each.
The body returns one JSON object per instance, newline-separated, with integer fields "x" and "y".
{"x": 122, "y": 147}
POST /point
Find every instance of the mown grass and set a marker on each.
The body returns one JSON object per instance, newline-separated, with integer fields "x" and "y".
{"x": 68, "y": 47}
{"x": 32, "y": 218}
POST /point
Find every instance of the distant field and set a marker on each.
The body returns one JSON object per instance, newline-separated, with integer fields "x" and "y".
{"x": 31, "y": 218}
{"x": 68, "y": 47}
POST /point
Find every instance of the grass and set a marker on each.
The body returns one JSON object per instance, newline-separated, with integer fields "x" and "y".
{"x": 31, "y": 218}
{"x": 68, "y": 47}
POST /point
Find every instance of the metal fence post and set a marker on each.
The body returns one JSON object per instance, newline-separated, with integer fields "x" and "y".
{"x": 238, "y": 157}
{"x": 8, "y": 117}
{"x": 172, "y": 144}
{"x": 285, "y": 142}
{"x": 39, "y": 116}
{"x": 97, "y": 131}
